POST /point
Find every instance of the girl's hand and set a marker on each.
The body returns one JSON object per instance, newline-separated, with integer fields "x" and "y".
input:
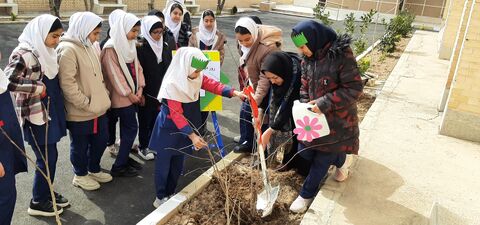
{"x": 44, "y": 92}
{"x": 266, "y": 137}
{"x": 240, "y": 95}
{"x": 133, "y": 98}
{"x": 197, "y": 141}
{"x": 2, "y": 170}
{"x": 315, "y": 108}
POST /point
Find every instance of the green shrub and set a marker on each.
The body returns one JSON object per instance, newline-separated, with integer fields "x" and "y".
{"x": 364, "y": 65}
{"x": 349, "y": 23}
{"x": 321, "y": 14}
{"x": 13, "y": 16}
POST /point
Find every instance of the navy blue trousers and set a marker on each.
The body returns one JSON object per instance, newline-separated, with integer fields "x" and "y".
{"x": 146, "y": 122}
{"x": 168, "y": 168}
{"x": 8, "y": 196}
{"x": 88, "y": 141}
{"x": 41, "y": 192}
{"x": 112, "y": 127}
{"x": 320, "y": 162}
{"x": 128, "y": 132}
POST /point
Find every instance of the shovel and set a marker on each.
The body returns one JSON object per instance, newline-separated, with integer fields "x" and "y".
{"x": 269, "y": 194}
{"x": 266, "y": 199}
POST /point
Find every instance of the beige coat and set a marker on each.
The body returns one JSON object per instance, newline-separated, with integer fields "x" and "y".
{"x": 269, "y": 40}
{"x": 219, "y": 45}
{"x": 81, "y": 80}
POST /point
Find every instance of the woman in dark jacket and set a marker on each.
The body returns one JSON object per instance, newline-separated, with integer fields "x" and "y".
{"x": 181, "y": 31}
{"x": 284, "y": 72}
{"x": 155, "y": 55}
{"x": 331, "y": 83}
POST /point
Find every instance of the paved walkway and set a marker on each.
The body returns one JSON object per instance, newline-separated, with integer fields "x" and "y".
{"x": 405, "y": 166}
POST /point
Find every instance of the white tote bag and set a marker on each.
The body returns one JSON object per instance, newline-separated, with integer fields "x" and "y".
{"x": 308, "y": 125}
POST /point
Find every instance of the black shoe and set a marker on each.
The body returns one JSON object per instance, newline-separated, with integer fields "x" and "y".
{"x": 133, "y": 163}
{"x": 127, "y": 171}
{"x": 61, "y": 201}
{"x": 42, "y": 209}
{"x": 243, "y": 148}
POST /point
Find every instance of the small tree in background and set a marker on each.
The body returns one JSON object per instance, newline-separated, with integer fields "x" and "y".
{"x": 349, "y": 23}
{"x": 55, "y": 7}
{"x": 321, "y": 14}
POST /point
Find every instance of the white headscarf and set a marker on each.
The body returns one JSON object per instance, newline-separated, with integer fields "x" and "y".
{"x": 3, "y": 82}
{"x": 115, "y": 16}
{"x": 251, "y": 26}
{"x": 176, "y": 85}
{"x": 157, "y": 46}
{"x": 33, "y": 38}
{"x": 81, "y": 24}
{"x": 174, "y": 27}
{"x": 206, "y": 36}
{"x": 118, "y": 37}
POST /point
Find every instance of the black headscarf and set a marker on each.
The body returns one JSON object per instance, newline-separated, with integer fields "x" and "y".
{"x": 156, "y": 12}
{"x": 280, "y": 64}
{"x": 317, "y": 34}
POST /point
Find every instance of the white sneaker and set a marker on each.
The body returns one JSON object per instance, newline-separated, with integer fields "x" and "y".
{"x": 146, "y": 154}
{"x": 236, "y": 139}
{"x": 300, "y": 205}
{"x": 113, "y": 150}
{"x": 85, "y": 182}
{"x": 101, "y": 177}
{"x": 158, "y": 202}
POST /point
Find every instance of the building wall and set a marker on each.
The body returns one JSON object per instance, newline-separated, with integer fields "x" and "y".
{"x": 461, "y": 118}
{"x": 431, "y": 8}
{"x": 35, "y": 6}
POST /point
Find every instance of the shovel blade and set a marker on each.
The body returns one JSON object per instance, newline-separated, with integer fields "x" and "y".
{"x": 265, "y": 200}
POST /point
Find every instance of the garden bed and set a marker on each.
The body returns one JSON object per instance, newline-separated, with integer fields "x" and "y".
{"x": 244, "y": 181}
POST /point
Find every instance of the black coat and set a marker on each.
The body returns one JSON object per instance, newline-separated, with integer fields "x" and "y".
{"x": 280, "y": 104}
{"x": 153, "y": 71}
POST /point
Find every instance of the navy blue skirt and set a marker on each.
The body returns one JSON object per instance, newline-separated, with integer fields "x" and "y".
{"x": 57, "y": 125}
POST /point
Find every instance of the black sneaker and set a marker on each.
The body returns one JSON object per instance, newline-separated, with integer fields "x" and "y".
{"x": 42, "y": 209}
{"x": 61, "y": 201}
{"x": 133, "y": 163}
{"x": 243, "y": 148}
{"x": 127, "y": 171}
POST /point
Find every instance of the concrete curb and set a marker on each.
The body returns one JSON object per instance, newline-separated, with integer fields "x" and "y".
{"x": 165, "y": 212}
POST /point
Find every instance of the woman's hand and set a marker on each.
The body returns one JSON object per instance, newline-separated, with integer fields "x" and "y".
{"x": 315, "y": 108}
{"x": 197, "y": 141}
{"x": 2, "y": 170}
{"x": 133, "y": 98}
{"x": 240, "y": 95}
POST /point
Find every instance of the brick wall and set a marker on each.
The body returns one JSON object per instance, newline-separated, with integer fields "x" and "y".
{"x": 462, "y": 114}
{"x": 433, "y": 8}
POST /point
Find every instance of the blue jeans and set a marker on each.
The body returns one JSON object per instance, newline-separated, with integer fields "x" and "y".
{"x": 128, "y": 132}
{"x": 320, "y": 162}
{"x": 246, "y": 127}
{"x": 41, "y": 192}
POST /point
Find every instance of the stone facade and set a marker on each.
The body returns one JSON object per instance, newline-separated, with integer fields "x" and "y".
{"x": 461, "y": 116}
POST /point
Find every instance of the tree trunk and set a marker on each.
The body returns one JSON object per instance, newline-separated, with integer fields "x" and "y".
{"x": 151, "y": 5}
{"x": 220, "y": 5}
{"x": 55, "y": 7}
{"x": 86, "y": 5}
{"x": 91, "y": 5}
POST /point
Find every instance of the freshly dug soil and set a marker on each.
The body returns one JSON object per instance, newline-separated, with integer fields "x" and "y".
{"x": 244, "y": 181}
